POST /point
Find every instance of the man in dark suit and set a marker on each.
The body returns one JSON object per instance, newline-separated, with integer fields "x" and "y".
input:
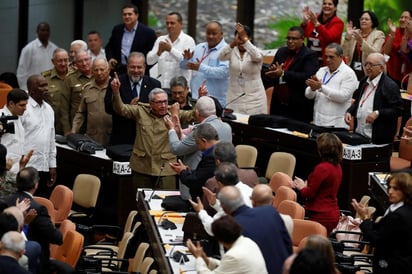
{"x": 40, "y": 229}
{"x": 379, "y": 104}
{"x": 12, "y": 248}
{"x": 135, "y": 87}
{"x": 206, "y": 137}
{"x": 261, "y": 224}
{"x": 290, "y": 68}
{"x": 141, "y": 38}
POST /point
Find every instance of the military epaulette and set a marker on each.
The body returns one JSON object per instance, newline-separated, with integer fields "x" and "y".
{"x": 71, "y": 71}
{"x": 47, "y": 73}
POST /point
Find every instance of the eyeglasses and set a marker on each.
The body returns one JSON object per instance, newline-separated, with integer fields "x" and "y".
{"x": 371, "y": 65}
{"x": 159, "y": 103}
{"x": 293, "y": 38}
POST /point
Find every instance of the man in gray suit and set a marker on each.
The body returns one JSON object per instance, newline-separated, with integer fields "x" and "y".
{"x": 186, "y": 149}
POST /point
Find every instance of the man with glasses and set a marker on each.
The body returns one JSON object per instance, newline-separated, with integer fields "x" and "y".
{"x": 379, "y": 104}
{"x": 73, "y": 87}
{"x": 151, "y": 152}
{"x": 55, "y": 78}
{"x": 290, "y": 68}
{"x": 135, "y": 87}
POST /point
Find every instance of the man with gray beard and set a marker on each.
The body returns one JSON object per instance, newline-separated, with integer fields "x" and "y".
{"x": 135, "y": 87}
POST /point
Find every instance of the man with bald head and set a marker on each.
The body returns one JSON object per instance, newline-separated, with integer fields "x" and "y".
{"x": 379, "y": 104}
{"x": 270, "y": 235}
{"x": 35, "y": 56}
{"x": 91, "y": 108}
{"x": 205, "y": 65}
{"x": 38, "y": 124}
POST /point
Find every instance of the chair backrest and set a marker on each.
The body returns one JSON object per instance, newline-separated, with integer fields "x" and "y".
{"x": 304, "y": 228}
{"x": 280, "y": 161}
{"x": 145, "y": 265}
{"x": 48, "y": 204}
{"x": 284, "y": 193}
{"x": 69, "y": 252}
{"x": 246, "y": 156}
{"x": 291, "y": 208}
{"x": 123, "y": 244}
{"x": 64, "y": 227}
{"x": 86, "y": 190}
{"x": 129, "y": 221}
{"x": 139, "y": 256}
{"x": 280, "y": 179}
{"x": 405, "y": 146}
{"x": 62, "y": 199}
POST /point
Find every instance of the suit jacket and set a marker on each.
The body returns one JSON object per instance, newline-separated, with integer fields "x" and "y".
{"x": 41, "y": 229}
{"x": 143, "y": 41}
{"x": 392, "y": 240}
{"x": 388, "y": 102}
{"x": 304, "y": 65}
{"x": 10, "y": 265}
{"x": 237, "y": 260}
{"x": 196, "y": 179}
{"x": 265, "y": 226}
{"x": 124, "y": 129}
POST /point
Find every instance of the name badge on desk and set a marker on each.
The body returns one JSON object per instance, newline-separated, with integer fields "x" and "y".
{"x": 121, "y": 168}
{"x": 352, "y": 153}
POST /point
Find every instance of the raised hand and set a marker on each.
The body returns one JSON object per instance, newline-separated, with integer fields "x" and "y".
{"x": 115, "y": 84}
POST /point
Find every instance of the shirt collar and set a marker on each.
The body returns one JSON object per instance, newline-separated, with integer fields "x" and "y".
{"x": 375, "y": 80}
{"x": 133, "y": 29}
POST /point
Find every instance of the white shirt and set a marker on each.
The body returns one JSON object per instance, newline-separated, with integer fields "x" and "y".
{"x": 334, "y": 97}
{"x": 211, "y": 69}
{"x": 169, "y": 62}
{"x": 34, "y": 59}
{"x": 101, "y": 54}
{"x": 38, "y": 123}
{"x": 14, "y": 142}
{"x": 207, "y": 220}
{"x": 366, "y": 107}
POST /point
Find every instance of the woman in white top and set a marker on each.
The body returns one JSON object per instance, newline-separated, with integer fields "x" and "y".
{"x": 246, "y": 93}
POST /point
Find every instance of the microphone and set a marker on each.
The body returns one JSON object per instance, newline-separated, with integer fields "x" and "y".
{"x": 227, "y": 112}
{"x": 156, "y": 185}
{"x": 235, "y": 99}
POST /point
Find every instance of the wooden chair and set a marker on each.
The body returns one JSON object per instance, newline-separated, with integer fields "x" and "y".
{"x": 304, "y": 228}
{"x": 48, "y": 204}
{"x": 291, "y": 208}
{"x": 85, "y": 193}
{"x": 284, "y": 193}
{"x": 246, "y": 156}
{"x": 404, "y": 159}
{"x": 69, "y": 252}
{"x": 64, "y": 227}
{"x": 280, "y": 161}
{"x": 62, "y": 199}
{"x": 280, "y": 179}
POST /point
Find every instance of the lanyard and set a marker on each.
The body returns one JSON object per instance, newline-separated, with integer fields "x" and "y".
{"x": 331, "y": 76}
{"x": 367, "y": 95}
{"x": 208, "y": 53}
{"x": 288, "y": 62}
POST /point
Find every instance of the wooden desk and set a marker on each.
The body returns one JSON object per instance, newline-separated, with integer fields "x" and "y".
{"x": 158, "y": 237}
{"x": 355, "y": 172}
{"x": 113, "y": 205}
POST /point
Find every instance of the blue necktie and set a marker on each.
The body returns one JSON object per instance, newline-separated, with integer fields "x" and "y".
{"x": 134, "y": 90}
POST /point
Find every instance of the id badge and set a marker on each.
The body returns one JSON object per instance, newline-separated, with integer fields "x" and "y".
{"x": 281, "y": 81}
{"x": 241, "y": 80}
{"x": 357, "y": 66}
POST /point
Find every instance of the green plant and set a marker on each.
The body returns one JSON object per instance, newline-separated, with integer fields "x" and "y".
{"x": 282, "y": 25}
{"x": 385, "y": 9}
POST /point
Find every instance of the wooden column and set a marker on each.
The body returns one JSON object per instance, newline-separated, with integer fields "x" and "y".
{"x": 246, "y": 13}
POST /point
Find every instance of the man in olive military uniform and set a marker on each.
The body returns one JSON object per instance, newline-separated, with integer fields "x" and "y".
{"x": 99, "y": 123}
{"x": 55, "y": 78}
{"x": 72, "y": 91}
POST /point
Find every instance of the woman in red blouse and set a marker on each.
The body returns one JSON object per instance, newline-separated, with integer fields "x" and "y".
{"x": 397, "y": 65}
{"x": 321, "y": 188}
{"x": 322, "y": 29}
